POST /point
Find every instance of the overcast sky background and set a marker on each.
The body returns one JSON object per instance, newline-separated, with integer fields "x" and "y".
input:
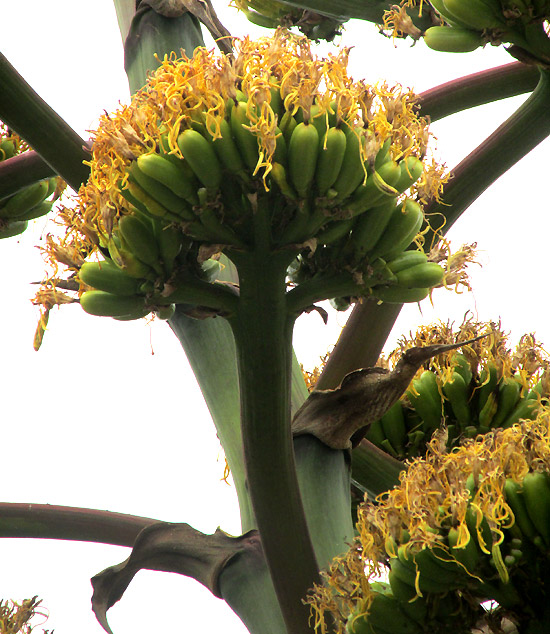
{"x": 96, "y": 420}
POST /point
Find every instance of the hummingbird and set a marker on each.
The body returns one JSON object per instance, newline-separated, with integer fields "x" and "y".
{"x": 336, "y": 416}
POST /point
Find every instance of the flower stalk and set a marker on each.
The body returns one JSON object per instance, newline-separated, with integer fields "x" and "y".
{"x": 508, "y": 144}
{"x": 477, "y": 89}
{"x": 22, "y": 170}
{"x": 23, "y": 110}
{"x": 47, "y": 521}
{"x": 262, "y": 327}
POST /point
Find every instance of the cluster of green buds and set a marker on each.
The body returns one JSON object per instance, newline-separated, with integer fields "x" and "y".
{"x": 272, "y": 14}
{"x": 484, "y": 387}
{"x": 335, "y": 169}
{"x": 466, "y": 25}
{"x": 462, "y": 528}
{"x": 33, "y": 201}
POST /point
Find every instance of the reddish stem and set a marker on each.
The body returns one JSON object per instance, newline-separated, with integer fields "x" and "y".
{"x": 45, "y": 521}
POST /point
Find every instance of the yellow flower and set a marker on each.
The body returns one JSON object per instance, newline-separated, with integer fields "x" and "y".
{"x": 399, "y": 23}
{"x": 433, "y": 495}
{"x": 187, "y": 92}
{"x": 279, "y": 79}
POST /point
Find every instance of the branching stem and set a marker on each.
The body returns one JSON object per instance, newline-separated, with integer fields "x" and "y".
{"x": 477, "y": 89}
{"x": 45, "y": 521}
{"x": 23, "y": 110}
{"x": 508, "y": 144}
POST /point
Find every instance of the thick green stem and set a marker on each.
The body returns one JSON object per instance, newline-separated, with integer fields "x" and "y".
{"x": 263, "y": 335}
{"x": 508, "y": 80}
{"x": 44, "y": 130}
{"x": 323, "y": 287}
{"x": 151, "y": 36}
{"x": 211, "y": 295}
{"x": 45, "y": 521}
{"x": 324, "y": 476}
{"x": 514, "y": 139}
{"x": 210, "y": 349}
{"x": 125, "y": 11}
{"x": 262, "y": 327}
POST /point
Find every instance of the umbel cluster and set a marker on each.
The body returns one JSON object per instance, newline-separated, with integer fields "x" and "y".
{"x": 335, "y": 169}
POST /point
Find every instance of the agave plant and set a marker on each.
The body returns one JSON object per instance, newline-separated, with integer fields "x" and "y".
{"x": 235, "y": 192}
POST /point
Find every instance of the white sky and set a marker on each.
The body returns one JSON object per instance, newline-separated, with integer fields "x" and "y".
{"x": 96, "y": 420}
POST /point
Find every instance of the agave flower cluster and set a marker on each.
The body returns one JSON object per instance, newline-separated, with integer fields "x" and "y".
{"x": 469, "y": 520}
{"x": 282, "y": 68}
{"x": 486, "y": 385}
{"x": 439, "y": 494}
{"x": 529, "y": 358}
{"x": 179, "y": 175}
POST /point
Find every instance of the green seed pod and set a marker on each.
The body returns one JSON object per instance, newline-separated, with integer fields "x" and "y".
{"x": 107, "y": 276}
{"x": 477, "y": 14}
{"x": 447, "y": 39}
{"x": 429, "y": 275}
{"x": 7, "y": 149}
{"x": 400, "y": 231}
{"x": 400, "y": 295}
{"x": 202, "y": 158}
{"x": 104, "y": 304}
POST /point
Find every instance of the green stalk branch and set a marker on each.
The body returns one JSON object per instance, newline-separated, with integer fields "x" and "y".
{"x": 211, "y": 295}
{"x": 25, "y": 112}
{"x": 477, "y": 89}
{"x": 44, "y": 521}
{"x": 263, "y": 335}
{"x": 22, "y": 170}
{"x": 323, "y": 287}
{"x": 262, "y": 327}
{"x": 509, "y": 143}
